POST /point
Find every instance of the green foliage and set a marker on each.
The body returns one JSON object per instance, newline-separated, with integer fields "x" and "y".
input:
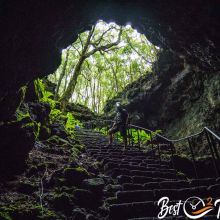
{"x": 142, "y": 135}
{"x": 56, "y": 115}
{"x": 103, "y": 130}
{"x": 71, "y": 122}
{"x": 43, "y": 94}
{"x": 35, "y": 126}
{"x": 27, "y": 121}
{"x": 134, "y": 135}
{"x": 21, "y": 115}
{"x": 107, "y": 72}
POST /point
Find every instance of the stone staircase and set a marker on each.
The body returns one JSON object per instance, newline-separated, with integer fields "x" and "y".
{"x": 141, "y": 179}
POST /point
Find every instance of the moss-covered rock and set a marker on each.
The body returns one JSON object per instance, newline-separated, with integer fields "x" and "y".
{"x": 75, "y": 176}
{"x": 26, "y": 187}
{"x": 95, "y": 185}
{"x": 63, "y": 202}
{"x": 26, "y": 211}
{"x": 85, "y": 198}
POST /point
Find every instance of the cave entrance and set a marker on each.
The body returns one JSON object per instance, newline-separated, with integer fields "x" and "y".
{"x": 101, "y": 63}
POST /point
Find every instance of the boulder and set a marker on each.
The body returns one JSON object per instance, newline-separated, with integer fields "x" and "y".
{"x": 63, "y": 202}
{"x": 75, "y": 176}
{"x": 85, "y": 198}
{"x": 16, "y": 142}
{"x": 78, "y": 214}
{"x": 95, "y": 185}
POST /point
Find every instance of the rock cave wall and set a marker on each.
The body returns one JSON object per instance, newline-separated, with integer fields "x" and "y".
{"x": 178, "y": 98}
{"x": 35, "y": 32}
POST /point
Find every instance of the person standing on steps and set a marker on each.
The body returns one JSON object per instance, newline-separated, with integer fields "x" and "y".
{"x": 120, "y": 124}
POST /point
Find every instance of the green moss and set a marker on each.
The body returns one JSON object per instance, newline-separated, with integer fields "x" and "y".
{"x": 43, "y": 94}
{"x": 22, "y": 93}
{"x": 31, "y": 210}
{"x": 56, "y": 114}
{"x": 20, "y": 115}
{"x": 77, "y": 169}
{"x": 58, "y": 140}
{"x": 5, "y": 216}
{"x": 71, "y": 123}
{"x": 35, "y": 126}
{"x": 79, "y": 146}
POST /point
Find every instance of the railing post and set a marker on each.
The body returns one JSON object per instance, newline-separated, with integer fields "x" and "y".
{"x": 139, "y": 144}
{"x": 129, "y": 137}
{"x": 152, "y": 146}
{"x": 193, "y": 157}
{"x": 132, "y": 141}
{"x": 117, "y": 136}
{"x": 172, "y": 154}
{"x": 214, "y": 146}
{"x": 159, "y": 153}
{"x": 212, "y": 154}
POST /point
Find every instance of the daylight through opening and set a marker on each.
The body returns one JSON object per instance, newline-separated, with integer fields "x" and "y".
{"x": 101, "y": 63}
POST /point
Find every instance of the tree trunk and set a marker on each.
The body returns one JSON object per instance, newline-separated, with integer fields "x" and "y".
{"x": 62, "y": 74}
{"x": 84, "y": 55}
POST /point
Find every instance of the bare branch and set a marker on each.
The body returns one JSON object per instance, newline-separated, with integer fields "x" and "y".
{"x": 76, "y": 50}
{"x": 105, "y": 47}
{"x": 98, "y": 41}
{"x": 136, "y": 51}
{"x": 80, "y": 39}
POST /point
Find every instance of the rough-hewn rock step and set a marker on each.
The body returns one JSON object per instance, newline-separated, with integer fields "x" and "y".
{"x": 117, "y": 171}
{"x": 125, "y": 211}
{"x": 111, "y": 165}
{"x": 140, "y": 179}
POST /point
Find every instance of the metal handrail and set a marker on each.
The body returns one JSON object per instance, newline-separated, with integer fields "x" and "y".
{"x": 163, "y": 137}
{"x": 210, "y": 135}
{"x": 211, "y": 132}
{"x": 167, "y": 139}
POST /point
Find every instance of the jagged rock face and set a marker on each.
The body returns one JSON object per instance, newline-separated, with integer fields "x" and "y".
{"x": 180, "y": 99}
{"x": 35, "y": 32}
{"x": 16, "y": 142}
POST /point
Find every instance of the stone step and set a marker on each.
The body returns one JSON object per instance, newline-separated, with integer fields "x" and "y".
{"x": 120, "y": 171}
{"x": 169, "y": 185}
{"x": 132, "y": 186}
{"x": 125, "y": 160}
{"x": 167, "y": 218}
{"x": 133, "y": 210}
{"x": 118, "y": 156}
{"x": 111, "y": 165}
{"x": 156, "y": 165}
{"x": 104, "y": 150}
{"x": 135, "y": 196}
{"x": 147, "y": 210}
{"x": 139, "y": 179}
{"x": 183, "y": 193}
{"x": 155, "y": 194}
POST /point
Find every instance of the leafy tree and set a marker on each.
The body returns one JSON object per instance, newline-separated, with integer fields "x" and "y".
{"x": 100, "y": 63}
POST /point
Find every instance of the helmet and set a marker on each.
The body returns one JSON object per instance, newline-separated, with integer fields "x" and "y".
{"x": 118, "y": 106}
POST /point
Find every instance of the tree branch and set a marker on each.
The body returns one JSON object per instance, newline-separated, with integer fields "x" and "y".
{"x": 135, "y": 50}
{"x": 97, "y": 42}
{"x": 80, "y": 39}
{"x": 105, "y": 47}
{"x": 76, "y": 50}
